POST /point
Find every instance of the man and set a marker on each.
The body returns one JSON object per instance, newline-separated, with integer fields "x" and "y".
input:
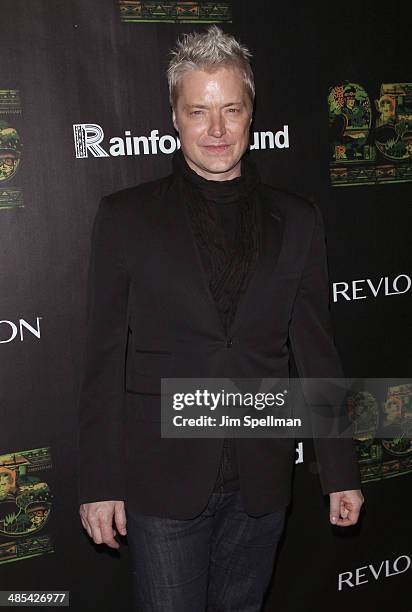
{"x": 204, "y": 273}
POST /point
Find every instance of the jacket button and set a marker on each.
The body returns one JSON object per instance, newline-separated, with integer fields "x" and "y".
{"x": 229, "y": 342}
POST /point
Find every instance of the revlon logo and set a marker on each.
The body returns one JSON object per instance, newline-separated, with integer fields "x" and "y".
{"x": 365, "y": 288}
{"x": 10, "y": 330}
{"x": 364, "y": 574}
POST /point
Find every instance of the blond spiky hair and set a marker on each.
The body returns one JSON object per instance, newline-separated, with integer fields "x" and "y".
{"x": 208, "y": 51}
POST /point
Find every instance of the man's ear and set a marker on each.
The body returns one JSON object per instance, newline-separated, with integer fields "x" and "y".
{"x": 174, "y": 120}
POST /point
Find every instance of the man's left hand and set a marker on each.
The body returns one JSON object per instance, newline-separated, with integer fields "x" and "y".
{"x": 345, "y": 507}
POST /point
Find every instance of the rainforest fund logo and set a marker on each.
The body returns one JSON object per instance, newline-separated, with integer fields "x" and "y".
{"x": 25, "y": 504}
{"x": 390, "y": 455}
{"x": 136, "y": 11}
{"x": 370, "y": 136}
{"x": 89, "y": 142}
{"x": 11, "y": 195}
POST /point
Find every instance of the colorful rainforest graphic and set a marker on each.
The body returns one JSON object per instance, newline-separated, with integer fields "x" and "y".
{"x": 143, "y": 11}
{"x": 391, "y": 455}
{"x": 25, "y": 504}
{"x": 11, "y": 195}
{"x": 371, "y": 141}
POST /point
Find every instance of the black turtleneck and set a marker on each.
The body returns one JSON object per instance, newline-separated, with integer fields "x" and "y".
{"x": 223, "y": 217}
{"x": 224, "y": 224}
{"x": 225, "y": 196}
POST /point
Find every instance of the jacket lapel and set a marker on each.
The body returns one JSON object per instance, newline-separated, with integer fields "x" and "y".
{"x": 271, "y": 224}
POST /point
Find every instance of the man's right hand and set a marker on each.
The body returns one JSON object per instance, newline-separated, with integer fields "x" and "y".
{"x": 97, "y": 519}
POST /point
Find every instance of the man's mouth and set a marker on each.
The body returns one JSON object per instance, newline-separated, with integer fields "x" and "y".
{"x": 217, "y": 148}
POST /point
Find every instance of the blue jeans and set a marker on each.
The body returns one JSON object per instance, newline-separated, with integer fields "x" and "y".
{"x": 220, "y": 561}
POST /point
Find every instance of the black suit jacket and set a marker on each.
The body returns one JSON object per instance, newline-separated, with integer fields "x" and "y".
{"x": 151, "y": 315}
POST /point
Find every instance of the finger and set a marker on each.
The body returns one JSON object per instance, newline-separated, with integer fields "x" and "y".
{"x": 334, "y": 511}
{"x": 107, "y": 534}
{"x": 120, "y": 518}
{"x": 351, "y": 519}
{"x": 84, "y": 521}
{"x": 344, "y": 522}
{"x": 96, "y": 533}
{"x": 86, "y": 526}
{"x": 344, "y": 510}
{"x": 94, "y": 519}
{"x": 354, "y": 515}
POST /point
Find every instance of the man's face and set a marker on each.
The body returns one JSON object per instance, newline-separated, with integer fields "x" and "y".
{"x": 213, "y": 115}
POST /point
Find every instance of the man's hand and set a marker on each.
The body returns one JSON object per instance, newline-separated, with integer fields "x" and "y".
{"x": 97, "y": 519}
{"x": 345, "y": 507}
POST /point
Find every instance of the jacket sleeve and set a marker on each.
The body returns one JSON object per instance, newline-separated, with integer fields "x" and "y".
{"x": 101, "y": 461}
{"x": 316, "y": 356}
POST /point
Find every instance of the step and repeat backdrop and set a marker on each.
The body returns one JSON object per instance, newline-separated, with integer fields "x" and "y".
{"x": 84, "y": 112}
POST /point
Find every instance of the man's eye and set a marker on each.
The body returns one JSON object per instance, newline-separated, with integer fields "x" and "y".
{"x": 234, "y": 110}
{"x": 196, "y": 112}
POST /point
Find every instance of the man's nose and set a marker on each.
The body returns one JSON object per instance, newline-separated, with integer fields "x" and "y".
{"x": 217, "y": 125}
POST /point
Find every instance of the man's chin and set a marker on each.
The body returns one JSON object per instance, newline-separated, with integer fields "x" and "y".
{"x": 218, "y": 166}
{"x": 214, "y": 167}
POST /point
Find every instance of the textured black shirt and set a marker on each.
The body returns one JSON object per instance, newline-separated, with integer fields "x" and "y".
{"x": 228, "y": 475}
{"x": 223, "y": 220}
